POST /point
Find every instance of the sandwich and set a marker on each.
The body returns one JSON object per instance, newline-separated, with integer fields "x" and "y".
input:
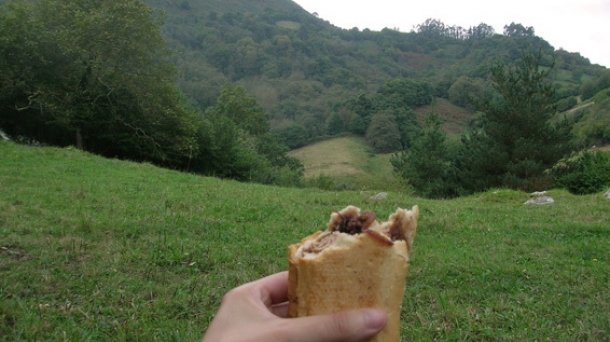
{"x": 357, "y": 262}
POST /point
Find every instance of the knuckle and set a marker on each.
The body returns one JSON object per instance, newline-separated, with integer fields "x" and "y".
{"x": 233, "y": 294}
{"x": 341, "y": 324}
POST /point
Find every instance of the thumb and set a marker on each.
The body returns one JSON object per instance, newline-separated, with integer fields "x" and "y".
{"x": 343, "y": 326}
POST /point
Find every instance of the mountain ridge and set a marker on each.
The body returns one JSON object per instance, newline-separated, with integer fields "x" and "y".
{"x": 305, "y": 72}
{"x": 277, "y": 42}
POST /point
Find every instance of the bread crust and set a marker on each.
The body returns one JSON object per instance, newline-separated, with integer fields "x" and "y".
{"x": 357, "y": 271}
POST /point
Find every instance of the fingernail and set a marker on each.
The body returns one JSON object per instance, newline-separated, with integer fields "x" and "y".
{"x": 375, "y": 318}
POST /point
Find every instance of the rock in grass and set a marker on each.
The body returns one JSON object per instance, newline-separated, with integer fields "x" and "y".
{"x": 380, "y": 196}
{"x": 540, "y": 200}
{"x": 607, "y": 194}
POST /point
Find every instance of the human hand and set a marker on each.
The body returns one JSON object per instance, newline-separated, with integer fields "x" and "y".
{"x": 257, "y": 311}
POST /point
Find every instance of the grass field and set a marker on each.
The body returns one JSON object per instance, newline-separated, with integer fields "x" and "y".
{"x": 349, "y": 161}
{"x": 98, "y": 249}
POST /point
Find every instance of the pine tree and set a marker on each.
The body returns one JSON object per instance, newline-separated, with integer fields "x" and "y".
{"x": 517, "y": 142}
{"x": 426, "y": 166}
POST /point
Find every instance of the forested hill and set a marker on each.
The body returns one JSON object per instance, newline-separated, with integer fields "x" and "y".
{"x": 302, "y": 69}
{"x": 225, "y": 88}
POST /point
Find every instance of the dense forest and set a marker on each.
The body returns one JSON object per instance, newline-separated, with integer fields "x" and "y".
{"x": 306, "y": 72}
{"x": 225, "y": 88}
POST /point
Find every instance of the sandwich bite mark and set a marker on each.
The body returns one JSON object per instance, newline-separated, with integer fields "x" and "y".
{"x": 351, "y": 222}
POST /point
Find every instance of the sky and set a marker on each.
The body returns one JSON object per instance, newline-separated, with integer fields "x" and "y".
{"x": 581, "y": 26}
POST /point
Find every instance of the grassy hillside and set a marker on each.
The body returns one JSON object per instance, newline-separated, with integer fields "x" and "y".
{"x": 97, "y": 249}
{"x": 455, "y": 118}
{"x": 350, "y": 161}
{"x": 595, "y": 121}
{"x": 592, "y": 120}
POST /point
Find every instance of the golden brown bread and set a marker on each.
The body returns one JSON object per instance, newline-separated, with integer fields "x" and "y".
{"x": 332, "y": 271}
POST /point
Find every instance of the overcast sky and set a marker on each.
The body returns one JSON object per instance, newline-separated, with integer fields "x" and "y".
{"x": 575, "y": 25}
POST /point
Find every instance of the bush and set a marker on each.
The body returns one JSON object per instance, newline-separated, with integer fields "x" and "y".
{"x": 566, "y": 104}
{"x": 584, "y": 173}
{"x": 293, "y": 136}
{"x": 383, "y": 133}
{"x": 321, "y": 181}
{"x": 464, "y": 89}
{"x": 602, "y": 95}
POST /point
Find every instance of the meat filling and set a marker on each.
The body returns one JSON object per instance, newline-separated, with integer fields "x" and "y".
{"x": 323, "y": 241}
{"x": 350, "y": 221}
{"x": 354, "y": 224}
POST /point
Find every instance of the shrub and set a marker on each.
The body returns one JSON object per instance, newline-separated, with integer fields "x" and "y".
{"x": 383, "y": 133}
{"x": 584, "y": 173}
{"x": 602, "y": 95}
{"x": 566, "y": 104}
{"x": 293, "y": 136}
{"x": 321, "y": 181}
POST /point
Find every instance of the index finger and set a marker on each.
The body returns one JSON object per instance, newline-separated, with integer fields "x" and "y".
{"x": 274, "y": 288}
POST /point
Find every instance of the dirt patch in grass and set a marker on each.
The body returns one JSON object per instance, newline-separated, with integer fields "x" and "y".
{"x": 14, "y": 253}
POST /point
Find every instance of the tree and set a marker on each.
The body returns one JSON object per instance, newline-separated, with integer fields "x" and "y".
{"x": 589, "y": 89}
{"x": 481, "y": 31}
{"x": 95, "y": 74}
{"x": 517, "y": 142}
{"x": 383, "y": 133}
{"x": 464, "y": 89}
{"x": 293, "y": 136}
{"x": 234, "y": 142}
{"x": 220, "y": 150}
{"x": 249, "y": 57}
{"x": 275, "y": 152}
{"x": 364, "y": 109}
{"x": 431, "y": 28}
{"x": 357, "y": 125}
{"x": 406, "y": 122}
{"x": 518, "y": 30}
{"x": 336, "y": 125}
{"x": 583, "y": 173}
{"x": 426, "y": 165}
{"x": 243, "y": 110}
{"x": 404, "y": 93}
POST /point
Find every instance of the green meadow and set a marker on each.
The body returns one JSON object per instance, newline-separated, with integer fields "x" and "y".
{"x": 349, "y": 163}
{"x": 101, "y": 249}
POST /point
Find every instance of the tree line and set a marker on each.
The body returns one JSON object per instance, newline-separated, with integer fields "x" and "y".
{"x": 303, "y": 70}
{"x": 515, "y": 143}
{"x": 98, "y": 75}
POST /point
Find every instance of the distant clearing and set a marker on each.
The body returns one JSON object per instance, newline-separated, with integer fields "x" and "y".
{"x": 291, "y": 25}
{"x": 349, "y": 160}
{"x": 455, "y": 118}
{"x": 340, "y": 157}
